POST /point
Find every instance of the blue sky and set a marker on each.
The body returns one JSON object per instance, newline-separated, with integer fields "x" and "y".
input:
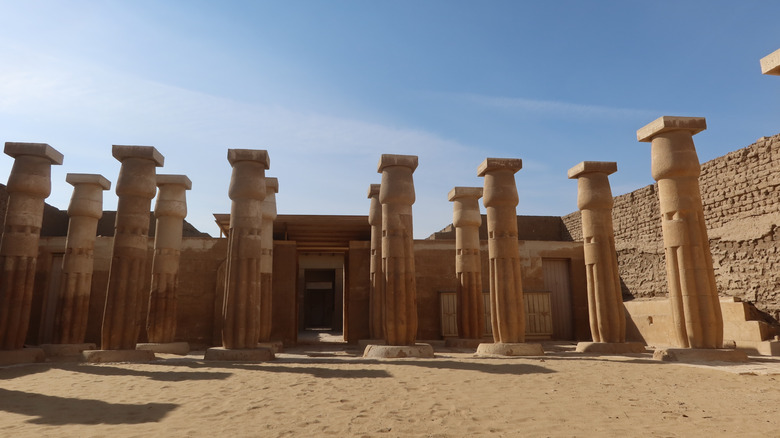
{"x": 328, "y": 86}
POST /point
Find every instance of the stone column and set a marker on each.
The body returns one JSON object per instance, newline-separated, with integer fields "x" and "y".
{"x": 267, "y": 261}
{"x": 396, "y": 194}
{"x": 605, "y": 302}
{"x": 690, "y": 276}
{"x": 135, "y": 187}
{"x": 468, "y": 264}
{"x": 376, "y": 294}
{"x": 29, "y": 183}
{"x": 169, "y": 212}
{"x": 241, "y": 310}
{"x": 85, "y": 209}
{"x": 506, "y": 288}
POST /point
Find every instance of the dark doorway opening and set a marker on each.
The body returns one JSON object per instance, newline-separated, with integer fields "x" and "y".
{"x": 319, "y": 299}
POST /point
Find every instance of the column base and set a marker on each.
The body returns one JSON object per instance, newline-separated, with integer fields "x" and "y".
{"x": 510, "y": 349}
{"x": 180, "y": 348}
{"x": 66, "y": 351}
{"x": 398, "y": 351}
{"x": 699, "y": 355}
{"x": 274, "y": 346}
{"x": 611, "y": 347}
{"x": 22, "y": 355}
{"x": 108, "y": 356}
{"x": 239, "y": 354}
{"x": 363, "y": 343}
{"x": 762, "y": 348}
{"x": 463, "y": 343}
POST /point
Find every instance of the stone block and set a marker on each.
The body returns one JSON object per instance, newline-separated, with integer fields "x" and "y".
{"x": 398, "y": 351}
{"x": 174, "y": 179}
{"x": 260, "y": 155}
{"x": 66, "y": 350}
{"x": 274, "y": 346}
{"x": 762, "y": 348}
{"x": 608, "y": 167}
{"x": 121, "y": 152}
{"x": 747, "y": 330}
{"x": 109, "y": 356}
{"x": 699, "y": 355}
{"x": 734, "y": 310}
{"x": 491, "y": 164}
{"x": 387, "y": 160}
{"x": 770, "y": 64}
{"x": 88, "y": 178}
{"x": 468, "y": 192}
{"x": 611, "y": 347}
{"x": 239, "y": 354}
{"x": 20, "y": 356}
{"x": 509, "y": 349}
{"x": 670, "y": 123}
{"x": 17, "y": 149}
{"x": 180, "y": 348}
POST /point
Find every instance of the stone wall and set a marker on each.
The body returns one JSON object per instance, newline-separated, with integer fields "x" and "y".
{"x": 741, "y": 196}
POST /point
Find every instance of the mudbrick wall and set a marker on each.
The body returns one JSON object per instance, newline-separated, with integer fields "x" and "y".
{"x": 741, "y": 197}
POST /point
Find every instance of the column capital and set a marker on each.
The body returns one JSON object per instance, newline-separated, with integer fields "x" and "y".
{"x": 388, "y": 160}
{"x": 493, "y": 164}
{"x": 18, "y": 149}
{"x": 465, "y": 192}
{"x": 585, "y": 167}
{"x": 373, "y": 190}
{"x": 259, "y": 155}
{"x": 770, "y": 64}
{"x": 670, "y": 123}
{"x": 88, "y": 178}
{"x": 181, "y": 180}
{"x": 121, "y": 152}
{"x": 271, "y": 184}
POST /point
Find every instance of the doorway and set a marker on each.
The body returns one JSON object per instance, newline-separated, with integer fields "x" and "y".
{"x": 319, "y": 299}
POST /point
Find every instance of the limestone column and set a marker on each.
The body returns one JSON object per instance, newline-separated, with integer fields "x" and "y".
{"x": 169, "y": 212}
{"x": 690, "y": 275}
{"x": 468, "y": 264}
{"x": 267, "y": 258}
{"x": 135, "y": 187}
{"x": 506, "y": 288}
{"x": 241, "y": 311}
{"x": 85, "y": 209}
{"x": 376, "y": 295}
{"x": 29, "y": 183}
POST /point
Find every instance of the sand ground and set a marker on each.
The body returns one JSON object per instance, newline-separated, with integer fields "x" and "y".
{"x": 329, "y": 390}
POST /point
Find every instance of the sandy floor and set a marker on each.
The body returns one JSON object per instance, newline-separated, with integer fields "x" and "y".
{"x": 328, "y": 390}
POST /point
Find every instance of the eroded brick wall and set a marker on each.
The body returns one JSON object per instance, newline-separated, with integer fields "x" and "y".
{"x": 741, "y": 196}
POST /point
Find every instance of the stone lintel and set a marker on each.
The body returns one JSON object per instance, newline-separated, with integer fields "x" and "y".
{"x": 239, "y": 354}
{"x": 699, "y": 355}
{"x": 120, "y": 152}
{"x": 272, "y": 184}
{"x": 611, "y": 347}
{"x": 16, "y": 149}
{"x": 465, "y": 192}
{"x": 109, "y": 356}
{"x": 259, "y": 155}
{"x": 418, "y": 350}
{"x": 388, "y": 160}
{"x": 510, "y": 349}
{"x": 491, "y": 164}
{"x": 88, "y": 178}
{"x": 608, "y": 167}
{"x": 181, "y": 180}
{"x": 671, "y": 123}
{"x": 770, "y": 64}
{"x": 373, "y": 190}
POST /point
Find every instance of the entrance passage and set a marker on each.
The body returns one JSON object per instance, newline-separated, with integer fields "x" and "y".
{"x": 556, "y": 280}
{"x": 319, "y": 299}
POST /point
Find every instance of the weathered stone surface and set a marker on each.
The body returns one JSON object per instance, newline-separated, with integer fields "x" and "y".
{"x": 376, "y": 317}
{"x": 241, "y": 311}
{"x": 169, "y": 211}
{"x": 180, "y": 348}
{"x": 21, "y": 355}
{"x": 267, "y": 259}
{"x": 29, "y": 183}
{"x": 605, "y": 302}
{"x": 510, "y": 349}
{"x": 468, "y": 261}
{"x": 690, "y": 276}
{"x": 417, "y": 350}
{"x": 274, "y": 346}
{"x": 111, "y": 356}
{"x": 611, "y": 347}
{"x": 770, "y": 64}
{"x": 396, "y": 194}
{"x": 699, "y": 355}
{"x": 135, "y": 187}
{"x": 239, "y": 355}
{"x": 85, "y": 209}
{"x": 65, "y": 350}
{"x": 506, "y": 287}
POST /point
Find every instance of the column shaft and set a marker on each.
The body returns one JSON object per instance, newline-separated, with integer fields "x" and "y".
{"x": 267, "y": 259}
{"x": 468, "y": 263}
{"x": 376, "y": 294}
